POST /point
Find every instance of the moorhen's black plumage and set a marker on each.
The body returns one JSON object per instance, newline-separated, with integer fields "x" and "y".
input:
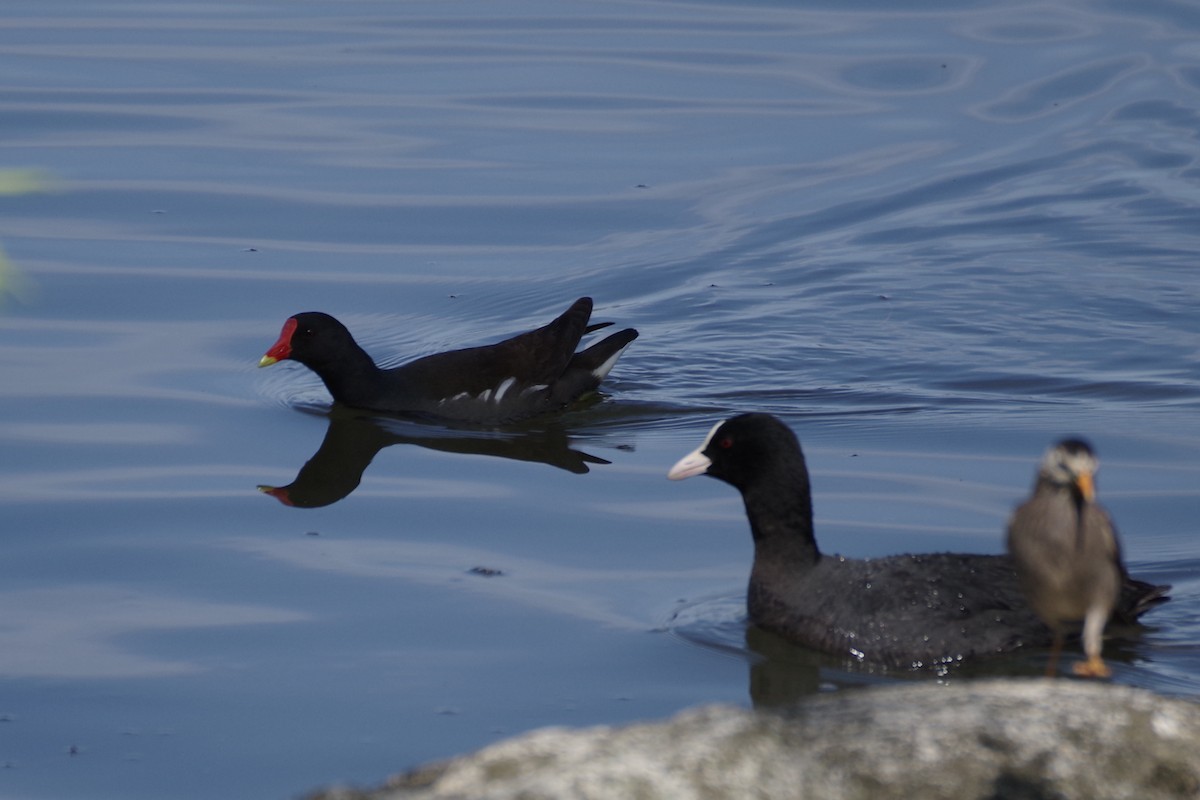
{"x": 354, "y": 438}
{"x": 907, "y": 611}
{"x": 523, "y": 376}
{"x": 1067, "y": 553}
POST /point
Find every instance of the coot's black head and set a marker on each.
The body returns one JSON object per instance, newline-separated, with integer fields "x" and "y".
{"x": 313, "y": 339}
{"x": 747, "y": 451}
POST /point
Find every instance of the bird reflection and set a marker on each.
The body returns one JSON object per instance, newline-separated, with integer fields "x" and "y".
{"x": 354, "y": 438}
{"x": 782, "y": 673}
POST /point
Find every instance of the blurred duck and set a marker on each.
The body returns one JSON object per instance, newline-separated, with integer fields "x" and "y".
{"x": 1066, "y": 552}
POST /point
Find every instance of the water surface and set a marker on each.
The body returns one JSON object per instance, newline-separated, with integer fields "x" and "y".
{"x": 933, "y": 237}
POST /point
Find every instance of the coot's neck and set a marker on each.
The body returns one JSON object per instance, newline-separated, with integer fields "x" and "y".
{"x": 781, "y": 522}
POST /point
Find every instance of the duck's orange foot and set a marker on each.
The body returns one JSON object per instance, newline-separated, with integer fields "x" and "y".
{"x": 1092, "y": 668}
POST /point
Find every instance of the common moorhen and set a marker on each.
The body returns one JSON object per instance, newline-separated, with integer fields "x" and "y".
{"x": 523, "y": 376}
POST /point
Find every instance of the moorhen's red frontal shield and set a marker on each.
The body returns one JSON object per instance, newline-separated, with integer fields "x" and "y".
{"x": 281, "y": 349}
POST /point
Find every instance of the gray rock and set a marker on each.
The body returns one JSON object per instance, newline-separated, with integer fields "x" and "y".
{"x": 1000, "y": 739}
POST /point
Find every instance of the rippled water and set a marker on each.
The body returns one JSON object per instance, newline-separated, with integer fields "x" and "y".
{"x": 933, "y": 236}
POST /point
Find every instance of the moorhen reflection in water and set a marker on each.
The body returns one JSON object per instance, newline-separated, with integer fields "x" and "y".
{"x": 354, "y": 438}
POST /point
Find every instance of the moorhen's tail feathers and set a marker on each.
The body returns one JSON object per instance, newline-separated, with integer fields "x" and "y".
{"x": 541, "y": 355}
{"x": 600, "y": 357}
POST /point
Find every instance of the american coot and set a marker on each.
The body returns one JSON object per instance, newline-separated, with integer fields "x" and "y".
{"x": 529, "y": 374}
{"x": 907, "y": 611}
{"x": 1066, "y": 551}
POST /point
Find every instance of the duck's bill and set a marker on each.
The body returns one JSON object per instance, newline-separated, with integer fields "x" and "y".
{"x": 1087, "y": 486}
{"x": 694, "y": 463}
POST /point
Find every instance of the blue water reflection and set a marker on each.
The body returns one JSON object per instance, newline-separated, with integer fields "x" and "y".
{"x": 933, "y": 236}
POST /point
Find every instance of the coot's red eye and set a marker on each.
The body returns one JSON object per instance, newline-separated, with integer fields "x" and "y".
{"x": 725, "y": 443}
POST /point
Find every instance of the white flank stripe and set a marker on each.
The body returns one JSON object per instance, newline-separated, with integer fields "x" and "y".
{"x": 601, "y": 372}
{"x": 504, "y": 386}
